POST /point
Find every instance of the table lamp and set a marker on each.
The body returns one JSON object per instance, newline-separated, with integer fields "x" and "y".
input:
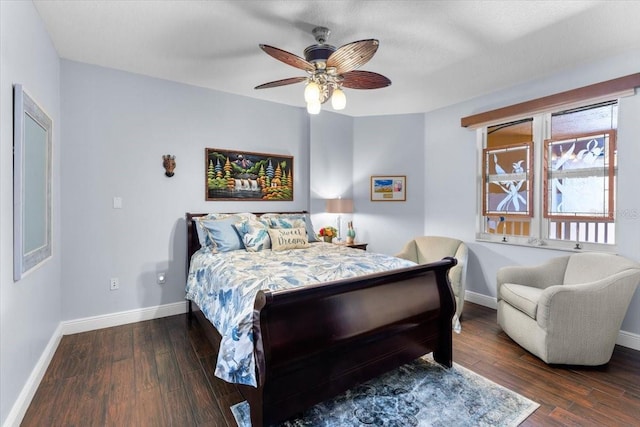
{"x": 339, "y": 206}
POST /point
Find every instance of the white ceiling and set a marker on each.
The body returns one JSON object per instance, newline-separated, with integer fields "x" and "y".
{"x": 436, "y": 53}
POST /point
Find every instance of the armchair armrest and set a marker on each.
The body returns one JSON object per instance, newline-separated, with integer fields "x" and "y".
{"x": 611, "y": 295}
{"x": 540, "y": 276}
{"x": 409, "y": 252}
{"x": 458, "y": 273}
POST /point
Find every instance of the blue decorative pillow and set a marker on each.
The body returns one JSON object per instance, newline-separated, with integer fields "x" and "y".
{"x": 254, "y": 235}
{"x": 203, "y": 236}
{"x": 311, "y": 233}
{"x": 219, "y": 233}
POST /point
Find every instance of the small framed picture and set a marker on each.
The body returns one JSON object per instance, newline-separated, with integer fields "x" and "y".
{"x": 388, "y": 188}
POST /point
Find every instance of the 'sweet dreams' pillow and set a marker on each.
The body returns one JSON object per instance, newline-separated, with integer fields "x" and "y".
{"x": 288, "y": 238}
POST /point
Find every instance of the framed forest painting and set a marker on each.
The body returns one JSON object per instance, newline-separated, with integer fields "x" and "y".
{"x": 242, "y": 175}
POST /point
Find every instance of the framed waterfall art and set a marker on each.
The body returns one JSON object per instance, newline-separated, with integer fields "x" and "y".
{"x": 241, "y": 175}
{"x": 389, "y": 188}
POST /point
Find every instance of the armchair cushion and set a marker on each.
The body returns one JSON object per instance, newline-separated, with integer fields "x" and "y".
{"x": 550, "y": 273}
{"x": 524, "y": 298}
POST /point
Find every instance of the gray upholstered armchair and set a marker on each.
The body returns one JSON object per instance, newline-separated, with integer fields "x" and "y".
{"x": 426, "y": 249}
{"x": 568, "y": 310}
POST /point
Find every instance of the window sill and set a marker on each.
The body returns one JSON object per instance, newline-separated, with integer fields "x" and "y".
{"x": 546, "y": 244}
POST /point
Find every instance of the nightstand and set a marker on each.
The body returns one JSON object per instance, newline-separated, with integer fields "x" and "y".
{"x": 356, "y": 245}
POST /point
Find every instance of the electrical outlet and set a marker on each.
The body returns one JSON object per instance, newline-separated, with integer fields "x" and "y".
{"x": 117, "y": 202}
{"x": 115, "y": 283}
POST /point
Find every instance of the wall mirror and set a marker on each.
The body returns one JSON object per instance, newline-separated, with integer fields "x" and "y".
{"x": 32, "y": 136}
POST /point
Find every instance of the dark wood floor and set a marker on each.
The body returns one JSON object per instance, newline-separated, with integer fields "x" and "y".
{"x": 158, "y": 373}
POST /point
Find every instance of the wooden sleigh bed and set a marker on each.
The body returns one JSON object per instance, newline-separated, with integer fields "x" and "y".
{"x": 314, "y": 342}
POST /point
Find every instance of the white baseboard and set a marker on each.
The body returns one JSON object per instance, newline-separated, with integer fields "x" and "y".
{"x": 19, "y": 409}
{"x": 122, "y": 318}
{"x": 68, "y": 327}
{"x": 625, "y": 339}
{"x": 480, "y": 299}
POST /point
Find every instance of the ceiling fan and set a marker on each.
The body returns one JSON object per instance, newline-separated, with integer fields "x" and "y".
{"x": 329, "y": 70}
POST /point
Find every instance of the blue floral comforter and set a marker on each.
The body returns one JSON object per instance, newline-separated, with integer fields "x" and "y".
{"x": 224, "y": 285}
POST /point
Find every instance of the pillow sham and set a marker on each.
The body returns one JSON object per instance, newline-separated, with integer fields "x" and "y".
{"x": 254, "y": 234}
{"x": 201, "y": 229}
{"x": 288, "y": 238}
{"x": 219, "y": 234}
{"x": 203, "y": 236}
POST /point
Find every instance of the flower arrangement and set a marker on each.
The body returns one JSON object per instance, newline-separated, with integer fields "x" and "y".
{"x": 329, "y": 232}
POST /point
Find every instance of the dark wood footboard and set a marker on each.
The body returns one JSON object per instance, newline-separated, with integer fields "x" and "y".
{"x": 316, "y": 342}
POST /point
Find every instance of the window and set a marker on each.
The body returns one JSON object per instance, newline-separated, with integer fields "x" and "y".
{"x": 580, "y": 170}
{"x": 549, "y": 179}
{"x": 507, "y": 178}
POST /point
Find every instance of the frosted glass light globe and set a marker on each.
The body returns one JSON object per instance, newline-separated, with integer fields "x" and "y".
{"x": 338, "y": 100}
{"x": 312, "y": 92}
{"x": 314, "y": 107}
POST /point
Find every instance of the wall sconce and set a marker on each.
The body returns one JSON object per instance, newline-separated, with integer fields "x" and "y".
{"x": 169, "y": 163}
{"x": 339, "y": 206}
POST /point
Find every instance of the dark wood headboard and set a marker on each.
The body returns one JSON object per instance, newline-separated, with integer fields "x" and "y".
{"x": 193, "y": 244}
{"x": 192, "y": 236}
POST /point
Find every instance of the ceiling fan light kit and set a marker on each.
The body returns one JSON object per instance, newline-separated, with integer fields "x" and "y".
{"x": 329, "y": 70}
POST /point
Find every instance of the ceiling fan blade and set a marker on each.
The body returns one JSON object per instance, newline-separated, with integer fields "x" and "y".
{"x": 364, "y": 80}
{"x": 282, "y": 82}
{"x": 288, "y": 58}
{"x": 352, "y": 55}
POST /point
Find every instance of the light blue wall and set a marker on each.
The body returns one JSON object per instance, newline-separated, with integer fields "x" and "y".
{"x": 389, "y": 145}
{"x": 30, "y": 308}
{"x": 332, "y": 166}
{"x": 450, "y": 158}
{"x": 117, "y": 128}
{"x": 346, "y": 151}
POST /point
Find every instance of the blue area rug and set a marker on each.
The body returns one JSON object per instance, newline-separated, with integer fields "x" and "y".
{"x": 421, "y": 393}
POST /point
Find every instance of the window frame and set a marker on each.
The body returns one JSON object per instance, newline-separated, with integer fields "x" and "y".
{"x": 539, "y": 223}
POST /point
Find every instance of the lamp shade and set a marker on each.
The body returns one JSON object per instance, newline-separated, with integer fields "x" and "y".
{"x": 339, "y": 206}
